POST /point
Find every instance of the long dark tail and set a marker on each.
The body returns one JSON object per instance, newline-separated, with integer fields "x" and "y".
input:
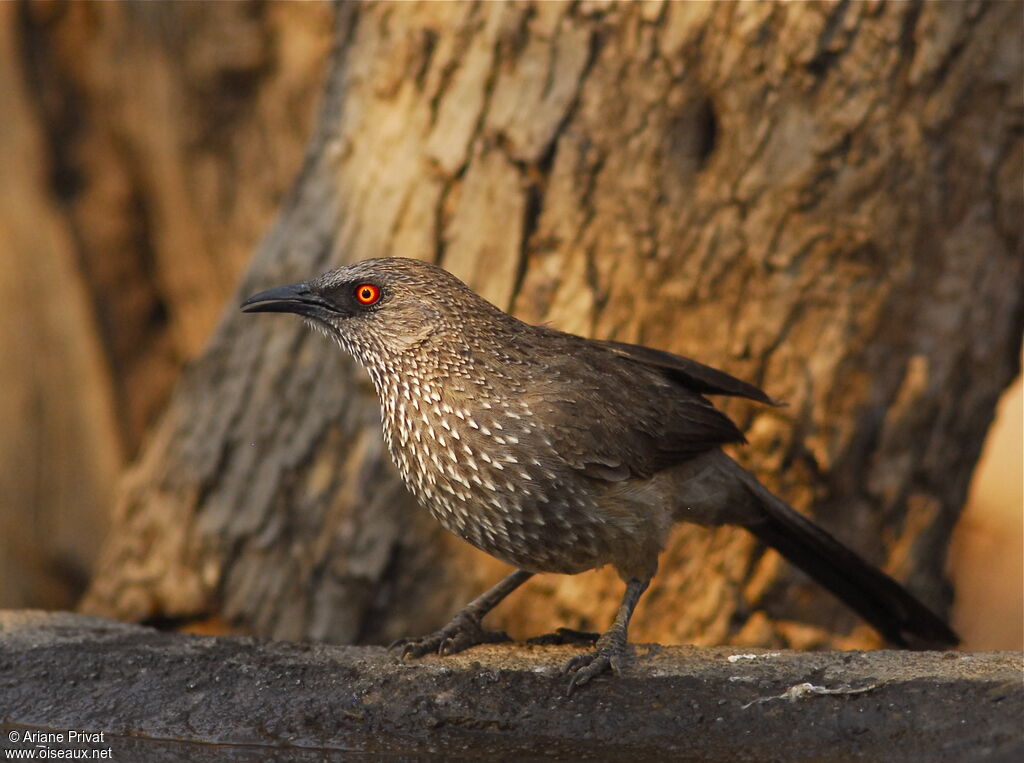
{"x": 887, "y": 605}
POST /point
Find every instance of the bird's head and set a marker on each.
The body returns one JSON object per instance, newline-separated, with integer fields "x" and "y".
{"x": 379, "y": 306}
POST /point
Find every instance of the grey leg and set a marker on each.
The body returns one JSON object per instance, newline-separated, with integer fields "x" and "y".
{"x": 612, "y": 644}
{"x": 465, "y": 629}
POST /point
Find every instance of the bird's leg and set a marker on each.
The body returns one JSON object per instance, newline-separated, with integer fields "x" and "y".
{"x": 612, "y": 644}
{"x": 465, "y": 629}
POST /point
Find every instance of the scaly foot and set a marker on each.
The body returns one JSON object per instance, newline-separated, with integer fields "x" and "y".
{"x": 607, "y": 654}
{"x": 461, "y": 633}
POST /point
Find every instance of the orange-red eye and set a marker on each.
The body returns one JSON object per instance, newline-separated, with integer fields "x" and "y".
{"x": 367, "y": 293}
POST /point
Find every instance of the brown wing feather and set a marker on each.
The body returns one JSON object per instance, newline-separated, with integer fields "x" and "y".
{"x": 691, "y": 374}
{"x": 631, "y": 435}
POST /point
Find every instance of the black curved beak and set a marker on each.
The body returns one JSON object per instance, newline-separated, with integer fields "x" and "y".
{"x": 293, "y": 298}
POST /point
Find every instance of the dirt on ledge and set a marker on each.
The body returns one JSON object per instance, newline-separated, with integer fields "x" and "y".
{"x": 167, "y": 696}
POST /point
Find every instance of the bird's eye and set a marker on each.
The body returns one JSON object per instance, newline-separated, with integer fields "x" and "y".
{"x": 367, "y": 293}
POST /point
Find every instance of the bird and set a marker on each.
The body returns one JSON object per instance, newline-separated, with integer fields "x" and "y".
{"x": 557, "y": 453}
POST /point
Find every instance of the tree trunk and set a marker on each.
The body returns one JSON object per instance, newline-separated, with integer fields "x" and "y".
{"x": 822, "y": 199}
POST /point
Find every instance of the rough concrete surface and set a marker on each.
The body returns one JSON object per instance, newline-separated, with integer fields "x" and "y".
{"x": 167, "y": 696}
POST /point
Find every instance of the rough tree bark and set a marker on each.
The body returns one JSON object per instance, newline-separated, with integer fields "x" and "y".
{"x": 823, "y": 199}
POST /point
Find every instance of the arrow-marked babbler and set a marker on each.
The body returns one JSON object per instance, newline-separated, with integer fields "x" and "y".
{"x": 556, "y": 453}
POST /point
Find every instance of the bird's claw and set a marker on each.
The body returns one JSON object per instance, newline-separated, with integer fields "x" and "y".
{"x": 607, "y": 656}
{"x": 460, "y": 634}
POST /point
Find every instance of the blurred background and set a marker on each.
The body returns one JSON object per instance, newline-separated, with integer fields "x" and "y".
{"x": 145, "y": 150}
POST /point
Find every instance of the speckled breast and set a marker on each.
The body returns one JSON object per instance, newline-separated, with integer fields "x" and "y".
{"x": 469, "y": 465}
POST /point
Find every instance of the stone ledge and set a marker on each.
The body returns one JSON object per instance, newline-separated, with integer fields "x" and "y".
{"x": 168, "y": 696}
